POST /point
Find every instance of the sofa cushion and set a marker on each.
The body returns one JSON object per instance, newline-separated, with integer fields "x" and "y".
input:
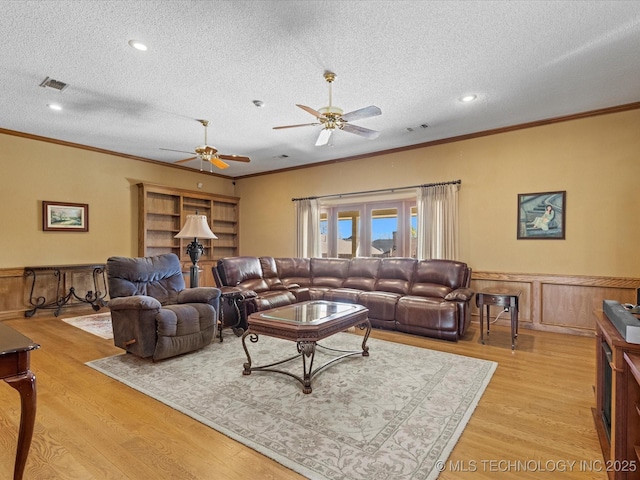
{"x": 318, "y": 293}
{"x": 268, "y": 300}
{"x": 433, "y": 290}
{"x": 394, "y": 275}
{"x": 243, "y": 272}
{"x": 381, "y": 305}
{"x": 362, "y": 273}
{"x": 347, "y": 295}
{"x": 270, "y": 274}
{"x": 429, "y": 313}
{"x": 329, "y": 272}
{"x": 294, "y": 271}
{"x": 439, "y": 272}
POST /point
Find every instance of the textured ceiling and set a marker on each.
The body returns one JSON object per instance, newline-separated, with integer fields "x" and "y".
{"x": 525, "y": 60}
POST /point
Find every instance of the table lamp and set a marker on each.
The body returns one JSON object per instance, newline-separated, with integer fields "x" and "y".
{"x": 195, "y": 227}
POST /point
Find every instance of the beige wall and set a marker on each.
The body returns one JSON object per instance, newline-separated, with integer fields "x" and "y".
{"x": 596, "y": 160}
{"x": 32, "y": 171}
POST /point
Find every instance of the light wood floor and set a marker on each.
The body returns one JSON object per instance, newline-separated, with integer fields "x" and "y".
{"x": 534, "y": 417}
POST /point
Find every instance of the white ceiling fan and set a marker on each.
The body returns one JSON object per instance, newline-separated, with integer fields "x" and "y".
{"x": 208, "y": 153}
{"x": 331, "y": 117}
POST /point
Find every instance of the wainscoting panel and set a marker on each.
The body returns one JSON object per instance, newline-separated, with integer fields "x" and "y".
{"x": 13, "y": 294}
{"x": 558, "y": 303}
{"x": 16, "y": 285}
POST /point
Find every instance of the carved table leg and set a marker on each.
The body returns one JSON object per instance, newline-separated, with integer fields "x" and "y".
{"x": 307, "y": 350}
{"x": 367, "y": 326}
{"x": 26, "y": 386}
{"x": 253, "y": 338}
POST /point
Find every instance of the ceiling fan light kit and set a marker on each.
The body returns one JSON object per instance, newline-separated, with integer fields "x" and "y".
{"x": 332, "y": 117}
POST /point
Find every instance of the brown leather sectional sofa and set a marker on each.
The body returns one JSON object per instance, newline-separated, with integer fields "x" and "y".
{"x": 426, "y": 297}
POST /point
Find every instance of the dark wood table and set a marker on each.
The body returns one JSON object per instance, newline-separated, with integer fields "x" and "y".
{"x": 306, "y": 323}
{"x": 15, "y": 350}
{"x": 500, "y": 298}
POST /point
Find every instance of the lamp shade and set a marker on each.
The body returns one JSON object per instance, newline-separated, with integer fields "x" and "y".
{"x": 196, "y": 226}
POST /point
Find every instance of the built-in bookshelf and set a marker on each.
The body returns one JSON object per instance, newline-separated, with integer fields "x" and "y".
{"x": 162, "y": 213}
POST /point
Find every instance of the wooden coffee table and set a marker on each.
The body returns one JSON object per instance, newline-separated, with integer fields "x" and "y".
{"x": 306, "y": 323}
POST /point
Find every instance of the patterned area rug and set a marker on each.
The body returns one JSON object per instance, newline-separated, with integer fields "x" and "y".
{"x": 394, "y": 414}
{"x": 99, "y": 324}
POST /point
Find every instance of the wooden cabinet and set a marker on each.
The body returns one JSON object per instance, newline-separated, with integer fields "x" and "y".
{"x": 617, "y": 412}
{"x": 162, "y": 211}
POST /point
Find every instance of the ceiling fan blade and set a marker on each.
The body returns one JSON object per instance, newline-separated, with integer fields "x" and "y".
{"x": 366, "y": 112}
{"x": 236, "y": 158}
{"x": 323, "y": 138}
{"x": 179, "y": 151}
{"x": 186, "y": 160}
{"x": 363, "y": 132}
{"x": 313, "y": 112}
{"x": 219, "y": 163}
{"x": 293, "y": 126}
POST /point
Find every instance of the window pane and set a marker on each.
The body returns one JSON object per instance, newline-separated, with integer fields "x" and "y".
{"x": 413, "y": 244}
{"x": 324, "y": 234}
{"x": 384, "y": 231}
{"x": 348, "y": 228}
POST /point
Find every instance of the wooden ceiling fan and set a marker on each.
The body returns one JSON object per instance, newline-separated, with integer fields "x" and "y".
{"x": 331, "y": 117}
{"x": 208, "y": 153}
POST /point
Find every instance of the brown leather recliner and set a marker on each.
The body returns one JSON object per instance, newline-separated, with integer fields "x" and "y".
{"x": 152, "y": 313}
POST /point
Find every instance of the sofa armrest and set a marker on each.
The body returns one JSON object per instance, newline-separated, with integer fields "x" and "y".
{"x": 199, "y": 295}
{"x": 460, "y": 295}
{"x": 293, "y": 286}
{"x": 135, "y": 302}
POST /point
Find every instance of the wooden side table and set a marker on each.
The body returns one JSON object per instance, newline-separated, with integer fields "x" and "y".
{"x": 499, "y": 298}
{"x": 14, "y": 369}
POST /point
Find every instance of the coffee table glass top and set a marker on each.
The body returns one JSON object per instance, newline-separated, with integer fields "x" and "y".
{"x": 312, "y": 312}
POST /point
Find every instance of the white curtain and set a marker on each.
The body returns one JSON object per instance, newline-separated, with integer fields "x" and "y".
{"x": 307, "y": 227}
{"x": 438, "y": 222}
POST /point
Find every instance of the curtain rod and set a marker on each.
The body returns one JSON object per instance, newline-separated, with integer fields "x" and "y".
{"x": 391, "y": 190}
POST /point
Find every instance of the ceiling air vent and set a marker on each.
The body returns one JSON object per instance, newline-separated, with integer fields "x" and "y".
{"x": 413, "y": 129}
{"x": 55, "y": 84}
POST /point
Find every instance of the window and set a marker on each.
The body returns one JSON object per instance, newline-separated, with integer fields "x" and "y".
{"x": 373, "y": 229}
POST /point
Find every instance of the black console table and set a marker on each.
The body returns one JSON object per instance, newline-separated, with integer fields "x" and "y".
{"x": 65, "y": 293}
{"x": 235, "y": 300}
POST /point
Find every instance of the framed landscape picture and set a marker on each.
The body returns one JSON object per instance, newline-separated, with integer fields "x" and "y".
{"x": 542, "y": 216}
{"x": 65, "y": 217}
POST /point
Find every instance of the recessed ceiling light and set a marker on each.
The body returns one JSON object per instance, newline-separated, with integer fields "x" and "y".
{"x": 258, "y": 103}
{"x": 54, "y": 106}
{"x": 468, "y": 98}
{"x": 138, "y": 45}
